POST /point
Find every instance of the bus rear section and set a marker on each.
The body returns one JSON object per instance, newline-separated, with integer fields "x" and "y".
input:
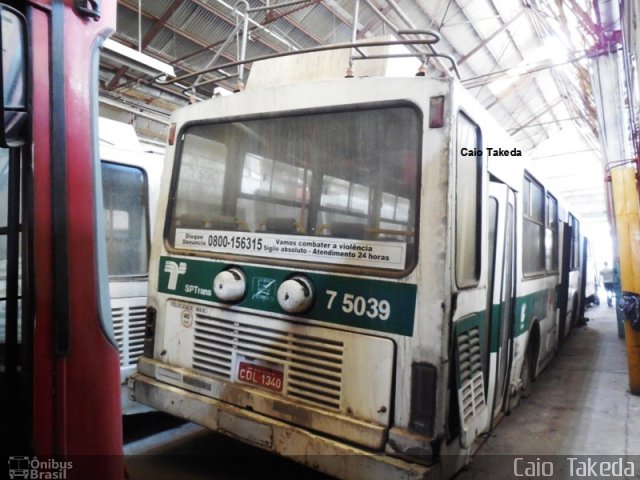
{"x": 131, "y": 182}
{"x": 337, "y": 275}
{"x": 284, "y": 304}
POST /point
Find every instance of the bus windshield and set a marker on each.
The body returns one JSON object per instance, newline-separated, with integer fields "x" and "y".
{"x": 337, "y": 188}
{"x": 126, "y": 219}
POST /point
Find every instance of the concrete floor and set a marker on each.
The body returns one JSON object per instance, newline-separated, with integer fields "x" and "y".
{"x": 580, "y": 407}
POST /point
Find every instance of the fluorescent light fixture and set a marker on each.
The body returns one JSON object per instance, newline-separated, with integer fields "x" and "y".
{"x": 552, "y": 49}
{"x": 134, "y": 59}
{"x": 223, "y": 92}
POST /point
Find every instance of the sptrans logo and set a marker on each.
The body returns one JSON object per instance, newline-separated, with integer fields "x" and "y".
{"x": 174, "y": 270}
{"x": 32, "y": 468}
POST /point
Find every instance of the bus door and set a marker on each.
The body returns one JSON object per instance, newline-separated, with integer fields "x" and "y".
{"x": 501, "y": 295}
{"x": 563, "y": 287}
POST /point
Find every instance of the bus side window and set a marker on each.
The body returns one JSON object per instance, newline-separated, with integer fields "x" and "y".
{"x": 468, "y": 202}
{"x": 126, "y": 219}
{"x": 533, "y": 228}
{"x": 575, "y": 242}
{"x": 4, "y": 229}
{"x": 551, "y": 240}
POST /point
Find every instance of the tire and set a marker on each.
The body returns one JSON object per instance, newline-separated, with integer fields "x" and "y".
{"x": 574, "y": 314}
{"x": 526, "y": 375}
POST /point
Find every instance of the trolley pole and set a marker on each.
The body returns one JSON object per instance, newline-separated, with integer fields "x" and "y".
{"x": 624, "y": 183}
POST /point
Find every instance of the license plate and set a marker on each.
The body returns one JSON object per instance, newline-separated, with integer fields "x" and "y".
{"x": 265, "y": 377}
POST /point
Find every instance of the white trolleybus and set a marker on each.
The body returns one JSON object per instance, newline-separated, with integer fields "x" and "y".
{"x": 357, "y": 273}
{"x": 131, "y": 183}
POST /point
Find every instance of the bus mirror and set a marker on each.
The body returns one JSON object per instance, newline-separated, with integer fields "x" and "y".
{"x": 14, "y": 80}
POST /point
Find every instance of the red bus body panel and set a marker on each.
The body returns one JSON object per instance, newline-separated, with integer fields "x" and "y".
{"x": 77, "y": 395}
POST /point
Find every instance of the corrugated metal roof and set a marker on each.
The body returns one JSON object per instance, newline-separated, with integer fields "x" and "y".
{"x": 524, "y": 61}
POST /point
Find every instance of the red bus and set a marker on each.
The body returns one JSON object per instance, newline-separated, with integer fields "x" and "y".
{"x": 59, "y": 365}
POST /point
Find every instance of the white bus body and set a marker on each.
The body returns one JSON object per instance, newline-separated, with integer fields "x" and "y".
{"x": 338, "y": 278}
{"x": 131, "y": 182}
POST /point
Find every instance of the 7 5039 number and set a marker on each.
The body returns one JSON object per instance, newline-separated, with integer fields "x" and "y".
{"x": 361, "y": 306}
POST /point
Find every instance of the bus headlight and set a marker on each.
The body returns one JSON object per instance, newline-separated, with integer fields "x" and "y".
{"x": 230, "y": 285}
{"x": 296, "y": 295}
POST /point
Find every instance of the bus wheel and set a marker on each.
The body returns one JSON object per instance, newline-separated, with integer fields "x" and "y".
{"x": 574, "y": 313}
{"x": 526, "y": 377}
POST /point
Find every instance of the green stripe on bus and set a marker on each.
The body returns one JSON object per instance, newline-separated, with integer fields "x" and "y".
{"x": 527, "y": 308}
{"x": 377, "y": 305}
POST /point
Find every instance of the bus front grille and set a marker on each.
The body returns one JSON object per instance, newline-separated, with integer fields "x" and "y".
{"x": 312, "y": 365}
{"x": 128, "y": 328}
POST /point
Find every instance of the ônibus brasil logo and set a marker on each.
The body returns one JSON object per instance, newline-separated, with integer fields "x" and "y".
{"x": 33, "y": 468}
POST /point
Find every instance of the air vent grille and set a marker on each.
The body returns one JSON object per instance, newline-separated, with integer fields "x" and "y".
{"x": 312, "y": 365}
{"x": 471, "y": 375}
{"x": 128, "y": 328}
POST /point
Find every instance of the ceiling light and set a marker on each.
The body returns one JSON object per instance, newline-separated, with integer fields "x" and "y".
{"x": 139, "y": 61}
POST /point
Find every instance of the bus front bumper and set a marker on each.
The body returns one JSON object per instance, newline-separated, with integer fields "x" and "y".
{"x": 321, "y": 453}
